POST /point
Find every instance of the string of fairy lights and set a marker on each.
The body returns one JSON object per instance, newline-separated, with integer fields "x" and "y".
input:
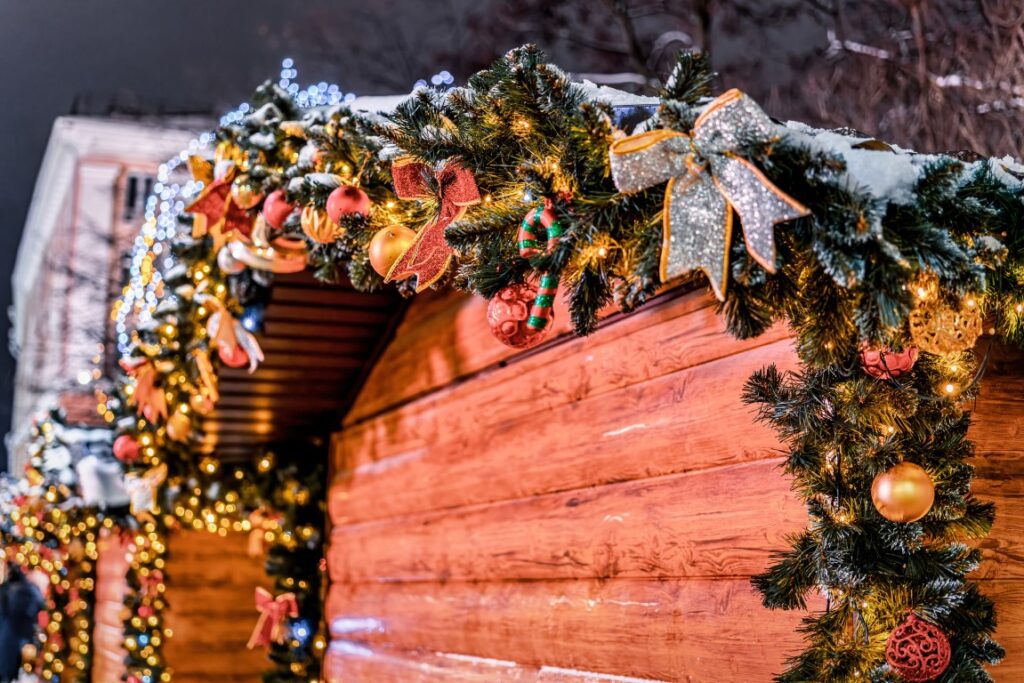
{"x": 174, "y": 188}
{"x": 152, "y": 262}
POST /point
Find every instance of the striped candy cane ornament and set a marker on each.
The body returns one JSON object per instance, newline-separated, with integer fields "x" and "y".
{"x": 541, "y": 218}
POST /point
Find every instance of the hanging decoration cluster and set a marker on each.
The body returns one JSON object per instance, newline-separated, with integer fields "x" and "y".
{"x": 522, "y": 187}
{"x": 170, "y": 385}
{"x": 50, "y": 524}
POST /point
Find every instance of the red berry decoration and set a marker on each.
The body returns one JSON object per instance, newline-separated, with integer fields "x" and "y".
{"x": 917, "y": 650}
{"x": 882, "y": 363}
{"x": 126, "y": 448}
{"x": 346, "y": 201}
{"x": 233, "y": 357}
{"x": 276, "y": 209}
{"x": 508, "y": 313}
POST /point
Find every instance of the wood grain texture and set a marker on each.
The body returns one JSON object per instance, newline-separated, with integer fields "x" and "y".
{"x": 210, "y": 586}
{"x": 676, "y": 332}
{"x": 646, "y": 629}
{"x": 595, "y": 505}
{"x": 108, "y": 638}
{"x": 997, "y": 430}
{"x": 351, "y": 662}
{"x": 684, "y": 420}
{"x": 696, "y": 631}
{"x": 424, "y": 437}
{"x": 442, "y": 338}
{"x": 684, "y": 525}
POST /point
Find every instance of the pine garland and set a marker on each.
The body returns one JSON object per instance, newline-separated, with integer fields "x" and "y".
{"x": 880, "y": 221}
{"x": 845, "y": 278}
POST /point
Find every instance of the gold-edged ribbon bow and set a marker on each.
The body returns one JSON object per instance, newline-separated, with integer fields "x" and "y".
{"x": 429, "y": 255}
{"x": 273, "y": 613}
{"x": 707, "y": 179}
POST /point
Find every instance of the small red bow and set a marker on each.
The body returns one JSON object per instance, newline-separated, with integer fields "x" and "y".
{"x": 429, "y": 255}
{"x": 273, "y": 612}
{"x": 216, "y": 214}
{"x": 150, "y": 581}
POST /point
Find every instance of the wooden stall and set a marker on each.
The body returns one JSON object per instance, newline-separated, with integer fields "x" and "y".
{"x": 591, "y": 510}
{"x": 212, "y": 614}
{"x": 319, "y": 341}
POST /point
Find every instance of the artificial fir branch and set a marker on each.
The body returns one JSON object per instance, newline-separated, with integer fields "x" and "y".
{"x": 861, "y": 426}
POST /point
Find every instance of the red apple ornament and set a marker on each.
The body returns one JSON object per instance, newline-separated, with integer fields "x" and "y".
{"x": 276, "y": 209}
{"x": 233, "y": 357}
{"x": 347, "y": 200}
{"x": 126, "y": 448}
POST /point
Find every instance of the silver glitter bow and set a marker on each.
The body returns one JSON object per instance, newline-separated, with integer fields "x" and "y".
{"x": 706, "y": 181}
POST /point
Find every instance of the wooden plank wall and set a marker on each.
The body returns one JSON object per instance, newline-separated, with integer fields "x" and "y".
{"x": 588, "y": 511}
{"x": 107, "y": 631}
{"x": 210, "y": 586}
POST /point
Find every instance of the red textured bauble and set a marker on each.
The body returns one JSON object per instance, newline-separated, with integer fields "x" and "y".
{"x": 917, "y": 650}
{"x": 233, "y": 357}
{"x": 126, "y": 448}
{"x": 346, "y": 201}
{"x": 507, "y": 313}
{"x": 883, "y": 363}
{"x": 276, "y": 209}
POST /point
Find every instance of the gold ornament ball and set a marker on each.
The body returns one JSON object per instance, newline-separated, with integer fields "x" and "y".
{"x": 317, "y": 225}
{"x": 943, "y": 330}
{"x": 904, "y": 493}
{"x": 179, "y": 427}
{"x": 245, "y": 193}
{"x": 387, "y": 245}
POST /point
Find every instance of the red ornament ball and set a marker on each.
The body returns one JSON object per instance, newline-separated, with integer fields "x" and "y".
{"x": 917, "y": 650}
{"x": 126, "y": 448}
{"x": 276, "y": 209}
{"x": 233, "y": 357}
{"x": 507, "y": 313}
{"x": 882, "y": 363}
{"x": 346, "y": 201}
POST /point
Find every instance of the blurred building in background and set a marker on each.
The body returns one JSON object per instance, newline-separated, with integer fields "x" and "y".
{"x": 86, "y": 209}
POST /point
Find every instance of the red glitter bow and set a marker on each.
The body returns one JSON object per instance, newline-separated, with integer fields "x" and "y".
{"x": 216, "y": 214}
{"x": 429, "y": 255}
{"x": 273, "y": 612}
